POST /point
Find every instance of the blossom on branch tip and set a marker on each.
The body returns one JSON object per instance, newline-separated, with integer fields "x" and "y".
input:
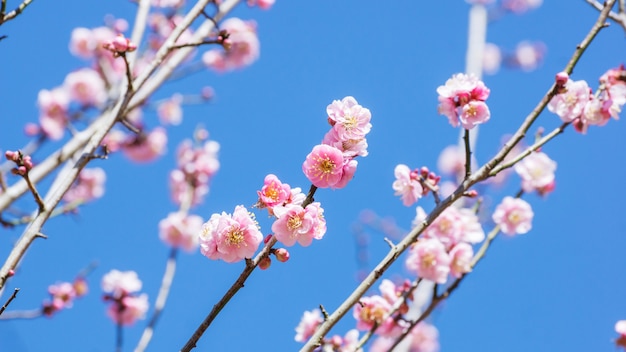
{"x": 350, "y": 120}
{"x": 119, "y": 45}
{"x": 620, "y": 328}
{"x": 324, "y": 166}
{"x": 125, "y": 307}
{"x": 230, "y": 237}
{"x": 273, "y": 192}
{"x": 243, "y": 46}
{"x": 118, "y": 283}
{"x": 514, "y": 216}
{"x": 462, "y": 100}
{"x": 411, "y": 185}
{"x": 571, "y": 101}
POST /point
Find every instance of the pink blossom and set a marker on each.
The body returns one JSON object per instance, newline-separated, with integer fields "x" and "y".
{"x": 146, "y": 147}
{"x": 199, "y": 162}
{"x": 119, "y": 283}
{"x": 451, "y": 160}
{"x": 230, "y": 237}
{"x": 297, "y": 224}
{"x": 273, "y": 192}
{"x": 349, "y": 119}
{"x": 471, "y": 229}
{"x": 53, "y": 114}
{"x": 406, "y": 186}
{"x": 536, "y": 170}
{"x": 351, "y": 148}
{"x": 447, "y": 228}
{"x": 129, "y": 309}
{"x": 308, "y": 324}
{"x": 324, "y": 166}
{"x": 242, "y": 49}
{"x": 262, "y": 4}
{"x": 474, "y": 113}
{"x": 461, "y": 257}
{"x": 372, "y": 311}
{"x": 462, "y": 97}
{"x": 88, "y": 186}
{"x": 429, "y": 259}
{"x": 86, "y": 86}
{"x": 170, "y": 112}
{"x": 423, "y": 338}
{"x": 529, "y": 55}
{"x": 63, "y": 295}
{"x": 180, "y": 230}
{"x": 82, "y": 43}
{"x": 569, "y": 104}
{"x": 180, "y": 188}
{"x": 514, "y": 216}
{"x": 349, "y": 168}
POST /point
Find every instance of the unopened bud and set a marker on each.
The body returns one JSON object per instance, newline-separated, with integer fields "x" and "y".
{"x": 282, "y": 255}
{"x": 265, "y": 263}
{"x": 561, "y": 78}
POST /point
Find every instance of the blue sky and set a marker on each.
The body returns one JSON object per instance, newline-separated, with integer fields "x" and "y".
{"x": 559, "y": 287}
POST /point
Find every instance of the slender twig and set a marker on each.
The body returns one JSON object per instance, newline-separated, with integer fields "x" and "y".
{"x": 33, "y": 190}
{"x": 620, "y": 17}
{"x": 204, "y": 42}
{"x": 480, "y": 175}
{"x": 468, "y": 154}
{"x": 28, "y": 218}
{"x": 166, "y": 283}
{"x": 238, "y": 284}
{"x": 21, "y": 314}
{"x": 6, "y": 304}
{"x": 11, "y": 15}
{"x": 545, "y": 139}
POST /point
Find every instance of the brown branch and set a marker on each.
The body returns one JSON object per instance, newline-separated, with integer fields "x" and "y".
{"x": 619, "y": 17}
{"x": 11, "y": 15}
{"x": 4, "y": 307}
{"x": 251, "y": 264}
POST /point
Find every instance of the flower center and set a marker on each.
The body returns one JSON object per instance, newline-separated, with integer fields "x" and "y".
{"x": 235, "y": 236}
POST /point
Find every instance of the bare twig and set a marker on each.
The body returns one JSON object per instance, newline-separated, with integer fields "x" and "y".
{"x": 619, "y": 18}
{"x": 11, "y": 15}
{"x": 6, "y": 304}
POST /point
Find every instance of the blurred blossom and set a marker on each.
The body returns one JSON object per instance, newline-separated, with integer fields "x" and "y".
{"x": 521, "y": 6}
{"x": 514, "y": 216}
{"x": 529, "y": 55}
{"x": 86, "y": 87}
{"x": 119, "y": 283}
{"x": 170, "y": 111}
{"x": 308, "y": 324}
{"x": 145, "y": 147}
{"x": 53, "y": 106}
{"x": 88, "y": 186}
{"x": 125, "y": 306}
{"x": 537, "y": 172}
{"x": 180, "y": 230}
{"x": 242, "y": 50}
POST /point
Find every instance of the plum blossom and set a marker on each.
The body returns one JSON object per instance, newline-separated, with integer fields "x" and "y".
{"x": 429, "y": 259}
{"x": 170, "y": 111}
{"x": 82, "y": 43}
{"x": 374, "y": 311}
{"x": 273, "y": 192}
{"x": 350, "y": 120}
{"x": 462, "y": 100}
{"x": 121, "y": 282}
{"x": 145, "y": 147}
{"x": 308, "y": 324}
{"x": 230, "y": 237}
{"x": 86, "y": 87}
{"x": 180, "y": 230}
{"x": 537, "y": 172}
{"x": 492, "y": 58}
{"x": 570, "y": 103}
{"x": 125, "y": 306}
{"x": 324, "y": 166}
{"x": 521, "y": 6}
{"x": 451, "y": 160}
{"x": 514, "y": 216}
{"x": 423, "y": 337}
{"x": 461, "y": 257}
{"x": 297, "y": 224}
{"x": 262, "y": 4}
{"x": 406, "y": 185}
{"x": 53, "y": 111}
{"x": 528, "y": 56}
{"x": 241, "y": 48}
{"x": 128, "y": 309}
{"x": 88, "y": 186}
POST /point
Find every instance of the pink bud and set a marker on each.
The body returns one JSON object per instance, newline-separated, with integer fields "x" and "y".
{"x": 11, "y": 273}
{"x": 21, "y": 170}
{"x": 27, "y": 161}
{"x": 11, "y": 155}
{"x": 282, "y": 255}
{"x": 267, "y": 238}
{"x": 472, "y": 193}
{"x": 265, "y": 263}
{"x": 561, "y": 78}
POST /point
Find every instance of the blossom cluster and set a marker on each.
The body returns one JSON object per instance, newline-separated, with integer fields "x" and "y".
{"x": 197, "y": 164}
{"x": 462, "y": 100}
{"x": 332, "y": 163}
{"x": 412, "y": 185}
{"x": 125, "y": 305}
{"x": 445, "y": 245}
{"x": 62, "y": 295}
{"x": 241, "y": 48}
{"x": 575, "y": 102}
